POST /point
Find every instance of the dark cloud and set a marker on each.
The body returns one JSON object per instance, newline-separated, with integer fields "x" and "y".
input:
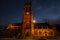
{"x": 47, "y": 9}
{"x": 12, "y": 10}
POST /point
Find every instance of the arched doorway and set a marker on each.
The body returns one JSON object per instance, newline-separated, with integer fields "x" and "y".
{"x": 27, "y": 34}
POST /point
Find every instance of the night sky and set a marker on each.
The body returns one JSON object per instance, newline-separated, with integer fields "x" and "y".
{"x": 11, "y": 11}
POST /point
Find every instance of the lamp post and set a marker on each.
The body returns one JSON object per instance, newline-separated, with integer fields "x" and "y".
{"x": 34, "y": 21}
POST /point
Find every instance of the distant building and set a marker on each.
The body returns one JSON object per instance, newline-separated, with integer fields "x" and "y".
{"x": 14, "y": 26}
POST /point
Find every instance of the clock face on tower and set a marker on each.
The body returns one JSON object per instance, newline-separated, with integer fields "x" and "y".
{"x": 27, "y": 13}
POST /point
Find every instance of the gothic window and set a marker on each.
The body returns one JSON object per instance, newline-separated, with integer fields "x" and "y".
{"x": 28, "y": 26}
{"x": 40, "y": 32}
{"x": 26, "y": 9}
{"x": 35, "y": 33}
{"x": 27, "y": 34}
{"x": 45, "y": 33}
{"x": 51, "y": 33}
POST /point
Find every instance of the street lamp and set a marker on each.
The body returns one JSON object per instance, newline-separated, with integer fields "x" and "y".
{"x": 34, "y": 21}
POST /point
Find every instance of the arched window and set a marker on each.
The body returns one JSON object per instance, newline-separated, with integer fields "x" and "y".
{"x": 28, "y": 26}
{"x": 27, "y": 34}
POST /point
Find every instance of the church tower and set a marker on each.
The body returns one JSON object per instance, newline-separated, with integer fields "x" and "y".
{"x": 27, "y": 22}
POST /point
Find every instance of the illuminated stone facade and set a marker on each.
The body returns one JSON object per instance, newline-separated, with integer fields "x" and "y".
{"x": 44, "y": 32}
